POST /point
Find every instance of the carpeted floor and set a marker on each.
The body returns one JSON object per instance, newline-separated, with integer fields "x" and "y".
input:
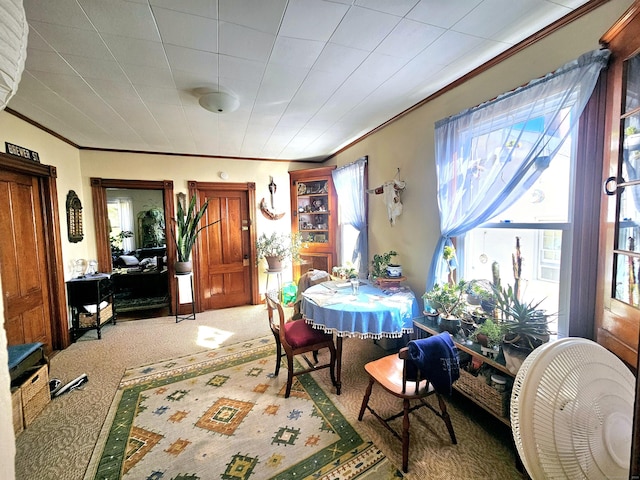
{"x": 58, "y": 445}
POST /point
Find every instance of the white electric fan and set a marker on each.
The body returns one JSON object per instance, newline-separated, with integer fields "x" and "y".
{"x": 572, "y": 412}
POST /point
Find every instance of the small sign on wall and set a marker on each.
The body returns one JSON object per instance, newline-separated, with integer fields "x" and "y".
{"x": 21, "y": 152}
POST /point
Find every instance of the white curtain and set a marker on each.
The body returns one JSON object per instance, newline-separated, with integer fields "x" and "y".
{"x": 127, "y": 223}
{"x": 489, "y": 156}
{"x": 349, "y": 182}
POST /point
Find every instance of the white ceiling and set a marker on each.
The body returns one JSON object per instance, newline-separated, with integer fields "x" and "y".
{"x": 311, "y": 75}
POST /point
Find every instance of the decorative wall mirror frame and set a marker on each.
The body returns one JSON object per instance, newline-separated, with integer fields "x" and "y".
{"x": 99, "y": 188}
{"x": 74, "y": 218}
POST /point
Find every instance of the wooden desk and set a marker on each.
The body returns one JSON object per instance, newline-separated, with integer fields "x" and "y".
{"x": 474, "y": 387}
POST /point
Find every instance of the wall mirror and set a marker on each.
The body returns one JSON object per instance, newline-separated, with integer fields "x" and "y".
{"x": 131, "y": 215}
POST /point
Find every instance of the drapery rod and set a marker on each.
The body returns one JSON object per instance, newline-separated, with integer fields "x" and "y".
{"x": 364, "y": 159}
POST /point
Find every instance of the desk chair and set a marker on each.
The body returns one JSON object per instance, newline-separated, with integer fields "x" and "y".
{"x": 298, "y": 337}
{"x": 404, "y": 378}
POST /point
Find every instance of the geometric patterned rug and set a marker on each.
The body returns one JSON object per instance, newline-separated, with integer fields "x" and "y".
{"x": 221, "y": 414}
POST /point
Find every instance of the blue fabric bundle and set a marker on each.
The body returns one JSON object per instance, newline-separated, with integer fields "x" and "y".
{"x": 437, "y": 359}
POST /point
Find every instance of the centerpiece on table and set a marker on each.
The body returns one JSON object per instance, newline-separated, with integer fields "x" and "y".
{"x": 278, "y": 248}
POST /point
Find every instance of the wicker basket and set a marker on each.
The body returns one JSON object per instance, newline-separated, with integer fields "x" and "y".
{"x": 35, "y": 394}
{"x": 88, "y": 320}
{"x": 16, "y": 407}
{"x": 477, "y": 387}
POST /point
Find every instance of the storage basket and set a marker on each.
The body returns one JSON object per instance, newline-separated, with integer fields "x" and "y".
{"x": 16, "y": 407}
{"x": 477, "y": 387}
{"x": 35, "y": 394}
{"x": 88, "y": 320}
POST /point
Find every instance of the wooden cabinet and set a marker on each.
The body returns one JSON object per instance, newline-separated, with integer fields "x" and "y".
{"x": 314, "y": 215}
{"x": 91, "y": 301}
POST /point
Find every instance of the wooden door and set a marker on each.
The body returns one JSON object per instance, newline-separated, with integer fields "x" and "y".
{"x": 23, "y": 263}
{"x": 226, "y": 265}
{"x": 618, "y": 301}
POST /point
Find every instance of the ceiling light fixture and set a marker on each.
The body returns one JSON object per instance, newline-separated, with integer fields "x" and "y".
{"x": 13, "y": 53}
{"x": 219, "y": 102}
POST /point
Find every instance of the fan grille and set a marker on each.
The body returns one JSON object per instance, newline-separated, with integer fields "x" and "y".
{"x": 572, "y": 410}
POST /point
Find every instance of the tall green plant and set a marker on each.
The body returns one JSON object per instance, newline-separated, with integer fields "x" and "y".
{"x": 188, "y": 229}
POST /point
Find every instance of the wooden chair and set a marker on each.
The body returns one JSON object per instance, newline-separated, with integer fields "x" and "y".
{"x": 393, "y": 373}
{"x": 297, "y": 337}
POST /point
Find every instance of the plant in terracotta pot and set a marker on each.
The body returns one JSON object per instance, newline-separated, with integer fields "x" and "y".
{"x": 187, "y": 230}
{"x": 525, "y": 326}
{"x": 278, "y": 248}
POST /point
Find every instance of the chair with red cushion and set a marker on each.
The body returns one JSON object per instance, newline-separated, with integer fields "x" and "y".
{"x": 297, "y": 337}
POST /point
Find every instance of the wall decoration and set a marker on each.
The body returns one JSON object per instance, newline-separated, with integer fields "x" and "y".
{"x": 74, "y": 217}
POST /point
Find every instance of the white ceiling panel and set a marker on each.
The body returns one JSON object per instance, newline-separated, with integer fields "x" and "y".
{"x": 364, "y": 29}
{"x": 264, "y": 15}
{"x": 201, "y": 8}
{"x": 310, "y": 75}
{"x": 121, "y": 18}
{"x": 243, "y": 42}
{"x": 186, "y": 30}
{"x": 312, "y": 19}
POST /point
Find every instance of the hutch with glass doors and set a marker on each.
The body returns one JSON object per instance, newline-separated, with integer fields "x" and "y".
{"x": 314, "y": 215}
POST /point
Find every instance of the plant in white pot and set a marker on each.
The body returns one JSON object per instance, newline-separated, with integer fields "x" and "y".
{"x": 187, "y": 230}
{"x": 278, "y": 248}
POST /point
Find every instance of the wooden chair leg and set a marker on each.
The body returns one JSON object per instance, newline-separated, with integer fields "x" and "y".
{"x": 315, "y": 356}
{"x": 332, "y": 367}
{"x": 447, "y": 419}
{"x": 405, "y": 436}
{"x": 365, "y": 400}
{"x": 278, "y": 357}
{"x": 289, "y": 376}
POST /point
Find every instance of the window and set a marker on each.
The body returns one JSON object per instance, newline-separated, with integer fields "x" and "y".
{"x": 121, "y": 230}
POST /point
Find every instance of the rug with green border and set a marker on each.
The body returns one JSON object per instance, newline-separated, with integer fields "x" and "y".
{"x": 221, "y": 414}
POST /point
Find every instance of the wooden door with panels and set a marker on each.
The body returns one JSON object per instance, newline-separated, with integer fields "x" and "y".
{"x": 618, "y": 293}
{"x": 30, "y": 255}
{"x": 225, "y": 252}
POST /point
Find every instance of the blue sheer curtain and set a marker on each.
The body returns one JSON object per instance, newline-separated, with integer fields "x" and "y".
{"x": 349, "y": 182}
{"x": 489, "y": 156}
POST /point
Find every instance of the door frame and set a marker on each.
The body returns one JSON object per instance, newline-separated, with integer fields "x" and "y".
{"x": 250, "y": 188}
{"x": 99, "y": 195}
{"x": 48, "y": 193}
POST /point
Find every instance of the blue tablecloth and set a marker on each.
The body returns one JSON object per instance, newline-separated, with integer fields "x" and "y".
{"x": 373, "y": 313}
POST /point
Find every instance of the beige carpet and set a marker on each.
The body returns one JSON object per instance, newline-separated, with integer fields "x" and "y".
{"x": 58, "y": 445}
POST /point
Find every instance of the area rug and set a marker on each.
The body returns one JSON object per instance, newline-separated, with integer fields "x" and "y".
{"x": 221, "y": 414}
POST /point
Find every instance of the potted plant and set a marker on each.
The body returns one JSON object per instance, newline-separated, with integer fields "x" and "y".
{"x": 187, "y": 230}
{"x": 345, "y": 272}
{"x": 380, "y": 262}
{"x": 449, "y": 302}
{"x": 525, "y": 326}
{"x": 278, "y": 248}
{"x": 489, "y": 336}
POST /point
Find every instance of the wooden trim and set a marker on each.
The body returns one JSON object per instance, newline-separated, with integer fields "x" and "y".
{"x": 615, "y": 30}
{"x": 53, "y": 246}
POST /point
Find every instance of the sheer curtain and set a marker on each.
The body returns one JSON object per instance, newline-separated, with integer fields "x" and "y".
{"x": 488, "y": 156}
{"x": 349, "y": 182}
{"x": 126, "y": 223}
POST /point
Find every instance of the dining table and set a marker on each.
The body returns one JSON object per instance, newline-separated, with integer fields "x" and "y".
{"x": 372, "y": 312}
